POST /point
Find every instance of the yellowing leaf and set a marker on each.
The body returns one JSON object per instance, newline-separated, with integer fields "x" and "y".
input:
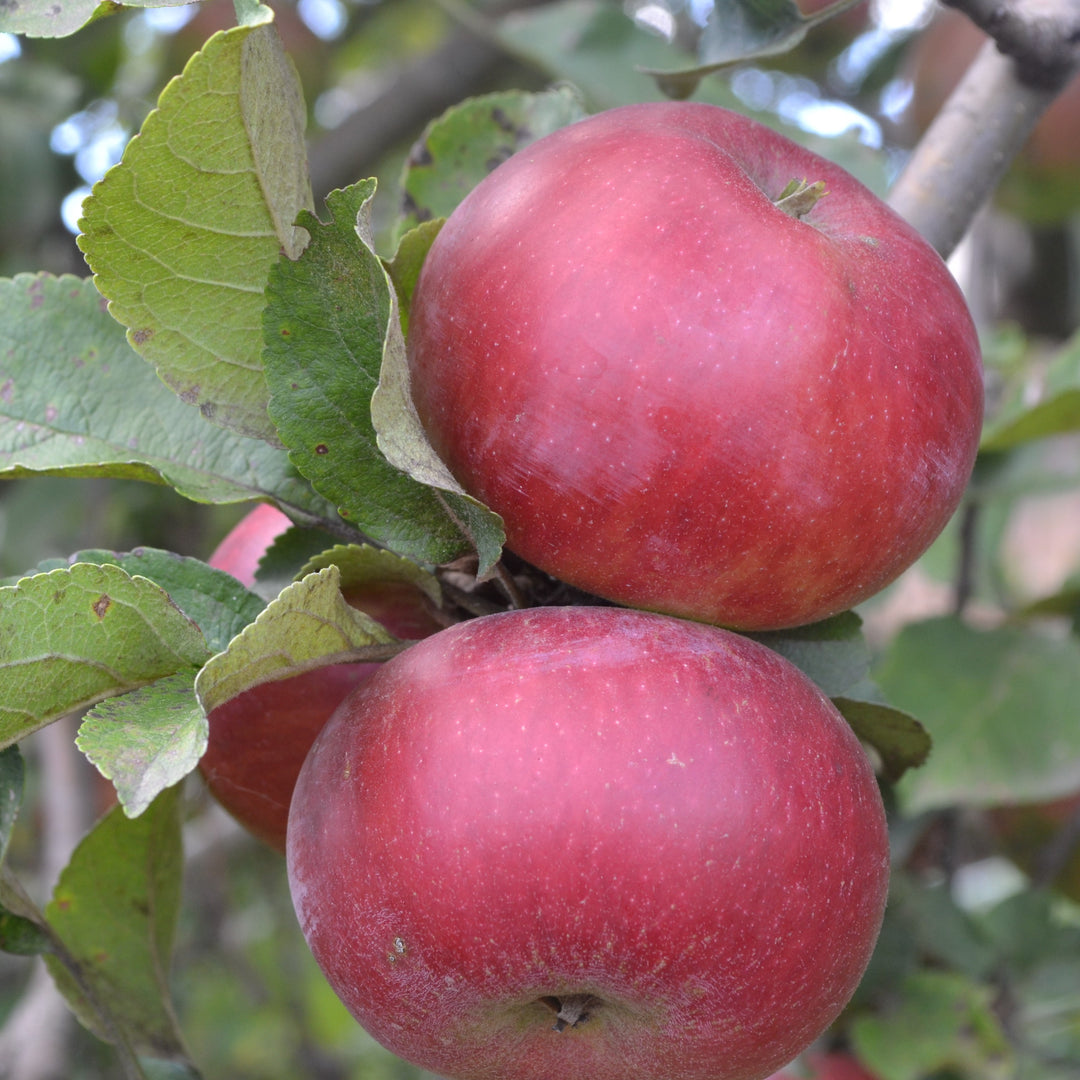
{"x": 309, "y": 625}
{"x": 182, "y": 233}
{"x": 73, "y": 637}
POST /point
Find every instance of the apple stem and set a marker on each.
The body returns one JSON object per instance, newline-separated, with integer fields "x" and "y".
{"x": 570, "y": 1010}
{"x": 800, "y": 197}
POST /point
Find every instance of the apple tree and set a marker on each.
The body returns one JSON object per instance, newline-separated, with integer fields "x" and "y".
{"x": 225, "y": 508}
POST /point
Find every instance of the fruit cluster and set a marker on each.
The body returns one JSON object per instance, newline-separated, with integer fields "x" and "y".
{"x": 711, "y": 381}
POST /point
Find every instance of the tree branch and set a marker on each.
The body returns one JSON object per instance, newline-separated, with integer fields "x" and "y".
{"x": 985, "y": 123}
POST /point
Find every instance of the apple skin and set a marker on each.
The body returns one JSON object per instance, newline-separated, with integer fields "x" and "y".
{"x": 832, "y": 1066}
{"x": 1023, "y": 830}
{"x": 659, "y": 820}
{"x": 680, "y": 397}
{"x": 243, "y": 547}
{"x": 258, "y": 740}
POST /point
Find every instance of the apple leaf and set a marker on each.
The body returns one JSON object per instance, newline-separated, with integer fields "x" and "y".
{"x": 361, "y": 564}
{"x": 592, "y": 45}
{"x": 12, "y": 777}
{"x": 289, "y": 550}
{"x": 330, "y": 318}
{"x": 832, "y": 652}
{"x": 182, "y": 233}
{"x": 741, "y": 30}
{"x": 214, "y": 600}
{"x": 1043, "y": 400}
{"x": 457, "y": 150}
{"x": 404, "y": 269}
{"x": 900, "y": 740}
{"x": 114, "y": 909}
{"x": 47, "y": 18}
{"x": 308, "y": 626}
{"x": 65, "y": 365}
{"x": 21, "y": 936}
{"x": 148, "y": 740}
{"x": 999, "y": 704}
{"x": 942, "y": 933}
{"x": 59, "y": 18}
{"x": 73, "y": 637}
{"x": 163, "y": 1069}
{"x": 940, "y": 1021}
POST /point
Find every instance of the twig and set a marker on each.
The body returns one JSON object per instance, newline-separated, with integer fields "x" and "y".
{"x": 985, "y": 123}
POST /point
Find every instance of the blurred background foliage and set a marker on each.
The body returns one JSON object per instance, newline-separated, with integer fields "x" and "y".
{"x": 859, "y": 88}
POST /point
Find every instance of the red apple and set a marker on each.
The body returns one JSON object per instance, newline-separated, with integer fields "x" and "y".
{"x": 681, "y": 396}
{"x": 258, "y": 740}
{"x": 244, "y": 546}
{"x": 1024, "y": 832}
{"x": 831, "y": 1066}
{"x": 589, "y": 843}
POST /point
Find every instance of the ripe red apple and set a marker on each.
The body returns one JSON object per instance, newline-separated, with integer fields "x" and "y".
{"x": 593, "y": 844}
{"x": 242, "y": 549}
{"x": 832, "y": 1066}
{"x": 258, "y": 740}
{"x": 683, "y": 396}
{"x": 1025, "y": 830}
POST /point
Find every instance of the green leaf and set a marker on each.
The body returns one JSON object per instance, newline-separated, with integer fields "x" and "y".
{"x": 329, "y": 318}
{"x": 361, "y": 564}
{"x": 1045, "y": 1007}
{"x": 148, "y": 740}
{"x": 832, "y": 652}
{"x": 404, "y": 268}
{"x": 999, "y": 705}
{"x": 462, "y": 146}
{"x": 1027, "y": 933}
{"x": 308, "y": 626}
{"x": 214, "y": 600}
{"x": 593, "y": 45}
{"x": 47, "y": 18}
{"x": 942, "y": 1020}
{"x": 289, "y": 550}
{"x": 12, "y": 776}
{"x": 115, "y": 908}
{"x": 901, "y": 742}
{"x": 182, "y": 233}
{"x": 945, "y": 935}
{"x": 158, "y": 1069}
{"x": 71, "y": 638}
{"x": 1042, "y": 400}
{"x": 58, "y": 18}
{"x": 741, "y": 30}
{"x": 21, "y": 936}
{"x": 65, "y": 367}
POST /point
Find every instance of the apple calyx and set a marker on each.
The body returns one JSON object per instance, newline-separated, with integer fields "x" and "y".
{"x": 571, "y": 1009}
{"x": 800, "y": 197}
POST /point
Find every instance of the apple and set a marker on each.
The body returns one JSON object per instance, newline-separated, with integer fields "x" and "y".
{"x": 258, "y": 740}
{"x": 1024, "y": 832}
{"x": 589, "y": 843}
{"x": 685, "y": 392}
{"x": 243, "y": 547}
{"x": 828, "y": 1066}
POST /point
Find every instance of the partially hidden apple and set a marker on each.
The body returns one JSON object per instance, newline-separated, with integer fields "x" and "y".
{"x": 589, "y": 843}
{"x": 243, "y": 547}
{"x": 826, "y": 1066}
{"x": 258, "y": 740}
{"x": 690, "y": 382}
